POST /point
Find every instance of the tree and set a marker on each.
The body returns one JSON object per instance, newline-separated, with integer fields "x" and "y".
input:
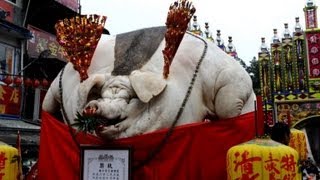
{"x": 253, "y": 70}
{"x": 242, "y": 63}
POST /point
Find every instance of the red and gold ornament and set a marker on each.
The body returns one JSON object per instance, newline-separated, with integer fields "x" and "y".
{"x": 79, "y": 37}
{"x": 178, "y": 19}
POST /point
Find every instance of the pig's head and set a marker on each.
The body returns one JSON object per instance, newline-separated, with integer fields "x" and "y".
{"x": 118, "y": 101}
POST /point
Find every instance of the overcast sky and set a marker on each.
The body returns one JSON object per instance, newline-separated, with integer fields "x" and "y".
{"x": 246, "y": 21}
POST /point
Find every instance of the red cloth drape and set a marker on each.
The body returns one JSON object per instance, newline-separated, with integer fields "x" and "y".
{"x": 260, "y": 116}
{"x": 193, "y": 151}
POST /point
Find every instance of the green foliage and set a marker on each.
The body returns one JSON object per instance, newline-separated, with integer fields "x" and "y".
{"x": 242, "y": 63}
{"x": 253, "y": 71}
{"x": 85, "y": 123}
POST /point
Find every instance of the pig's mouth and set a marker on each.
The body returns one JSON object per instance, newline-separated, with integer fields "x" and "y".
{"x": 90, "y": 121}
{"x": 103, "y": 121}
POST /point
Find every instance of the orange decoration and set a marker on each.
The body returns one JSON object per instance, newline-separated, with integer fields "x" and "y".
{"x": 79, "y": 37}
{"x": 178, "y": 19}
{"x": 8, "y": 80}
{"x": 44, "y": 83}
{"x": 36, "y": 83}
{"x": 27, "y": 82}
{"x": 17, "y": 81}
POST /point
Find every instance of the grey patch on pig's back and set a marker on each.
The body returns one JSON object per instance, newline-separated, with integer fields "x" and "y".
{"x": 134, "y": 49}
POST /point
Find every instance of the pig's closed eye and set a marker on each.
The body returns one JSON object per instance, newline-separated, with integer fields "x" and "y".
{"x": 122, "y": 93}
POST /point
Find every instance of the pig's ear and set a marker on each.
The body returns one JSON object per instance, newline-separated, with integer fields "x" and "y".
{"x": 147, "y": 84}
{"x": 86, "y": 88}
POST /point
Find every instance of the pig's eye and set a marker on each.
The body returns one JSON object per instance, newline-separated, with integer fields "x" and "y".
{"x": 122, "y": 93}
{"x": 115, "y": 92}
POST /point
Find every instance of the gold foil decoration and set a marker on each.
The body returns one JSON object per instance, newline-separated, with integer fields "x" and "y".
{"x": 79, "y": 37}
{"x": 178, "y": 19}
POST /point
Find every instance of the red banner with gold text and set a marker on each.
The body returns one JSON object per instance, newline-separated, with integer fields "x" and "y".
{"x": 10, "y": 98}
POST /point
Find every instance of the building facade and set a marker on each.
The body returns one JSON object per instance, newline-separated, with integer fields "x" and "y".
{"x": 30, "y": 58}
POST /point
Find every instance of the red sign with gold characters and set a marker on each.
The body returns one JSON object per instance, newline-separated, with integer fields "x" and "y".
{"x": 10, "y": 99}
{"x": 314, "y": 54}
{"x": 43, "y": 41}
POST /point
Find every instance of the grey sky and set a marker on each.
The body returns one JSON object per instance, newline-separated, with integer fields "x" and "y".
{"x": 246, "y": 21}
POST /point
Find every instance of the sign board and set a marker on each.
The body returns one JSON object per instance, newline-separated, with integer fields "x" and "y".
{"x": 10, "y": 100}
{"x": 43, "y": 41}
{"x": 71, "y": 4}
{"x": 105, "y": 163}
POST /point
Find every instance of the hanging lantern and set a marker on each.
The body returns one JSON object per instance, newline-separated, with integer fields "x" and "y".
{"x": 8, "y": 80}
{"x": 36, "y": 83}
{"x": 299, "y": 143}
{"x": 27, "y": 82}
{"x": 9, "y": 159}
{"x": 17, "y": 81}
{"x": 262, "y": 158}
{"x": 44, "y": 83}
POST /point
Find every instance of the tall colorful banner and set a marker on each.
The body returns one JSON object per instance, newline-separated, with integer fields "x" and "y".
{"x": 313, "y": 54}
{"x": 10, "y": 100}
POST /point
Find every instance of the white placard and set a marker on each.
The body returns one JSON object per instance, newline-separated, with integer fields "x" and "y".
{"x": 105, "y": 164}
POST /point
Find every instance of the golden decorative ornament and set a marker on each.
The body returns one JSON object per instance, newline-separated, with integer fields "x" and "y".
{"x": 262, "y": 158}
{"x": 177, "y": 22}
{"x": 299, "y": 143}
{"x": 79, "y": 37}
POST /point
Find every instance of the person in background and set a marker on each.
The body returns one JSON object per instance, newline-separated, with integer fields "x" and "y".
{"x": 280, "y": 132}
{"x": 311, "y": 171}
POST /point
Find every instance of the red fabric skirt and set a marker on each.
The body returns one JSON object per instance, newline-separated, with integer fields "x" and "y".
{"x": 193, "y": 151}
